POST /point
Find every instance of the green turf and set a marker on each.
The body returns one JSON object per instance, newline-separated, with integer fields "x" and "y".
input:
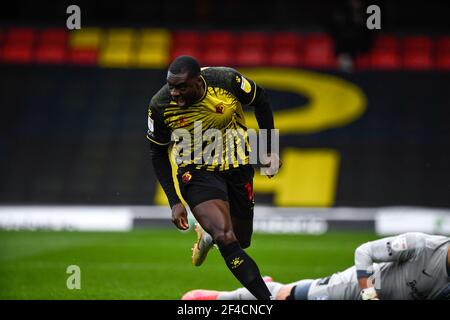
{"x": 153, "y": 264}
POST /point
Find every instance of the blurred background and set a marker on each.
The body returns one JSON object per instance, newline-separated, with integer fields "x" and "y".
{"x": 363, "y": 118}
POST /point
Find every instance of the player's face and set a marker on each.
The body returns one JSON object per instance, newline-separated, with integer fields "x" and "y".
{"x": 184, "y": 90}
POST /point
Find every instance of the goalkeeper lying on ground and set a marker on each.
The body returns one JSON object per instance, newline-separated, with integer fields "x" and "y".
{"x": 409, "y": 266}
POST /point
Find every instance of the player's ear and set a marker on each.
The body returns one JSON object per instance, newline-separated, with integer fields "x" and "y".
{"x": 198, "y": 80}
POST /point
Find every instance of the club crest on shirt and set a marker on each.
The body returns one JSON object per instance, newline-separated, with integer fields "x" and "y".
{"x": 219, "y": 108}
{"x": 186, "y": 177}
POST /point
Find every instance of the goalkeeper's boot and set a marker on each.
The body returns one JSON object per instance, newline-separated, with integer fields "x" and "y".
{"x": 200, "y": 294}
{"x": 202, "y": 246}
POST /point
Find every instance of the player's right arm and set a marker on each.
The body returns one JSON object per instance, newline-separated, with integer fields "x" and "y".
{"x": 159, "y": 136}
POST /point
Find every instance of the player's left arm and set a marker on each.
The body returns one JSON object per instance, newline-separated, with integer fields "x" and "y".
{"x": 399, "y": 248}
{"x": 249, "y": 93}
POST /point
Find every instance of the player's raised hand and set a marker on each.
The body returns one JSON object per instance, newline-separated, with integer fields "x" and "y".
{"x": 179, "y": 216}
{"x": 271, "y": 164}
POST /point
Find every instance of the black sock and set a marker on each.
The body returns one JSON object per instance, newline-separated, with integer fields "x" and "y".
{"x": 245, "y": 270}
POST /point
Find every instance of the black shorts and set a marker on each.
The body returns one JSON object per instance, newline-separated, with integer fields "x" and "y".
{"x": 234, "y": 186}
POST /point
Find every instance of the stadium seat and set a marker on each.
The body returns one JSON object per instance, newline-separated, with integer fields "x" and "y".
{"x": 54, "y": 36}
{"x": 149, "y": 56}
{"x": 285, "y": 49}
{"x": 50, "y": 53}
{"x": 285, "y": 57}
{"x": 153, "y": 48}
{"x": 117, "y": 51}
{"x": 252, "y": 40}
{"x": 219, "y": 40}
{"x": 17, "y": 53}
{"x": 386, "y": 59}
{"x": 417, "y": 43}
{"x": 386, "y": 42}
{"x": 417, "y": 60}
{"x": 319, "y": 51}
{"x": 443, "y": 44}
{"x": 443, "y": 53}
{"x": 217, "y": 56}
{"x": 21, "y": 36}
{"x": 443, "y": 61}
{"x": 362, "y": 62}
{"x": 251, "y": 57}
{"x": 120, "y": 37}
{"x": 417, "y": 53}
{"x": 186, "y": 39}
{"x": 86, "y": 57}
{"x": 155, "y": 38}
{"x": 186, "y": 43}
{"x": 317, "y": 58}
{"x": 115, "y": 56}
{"x": 86, "y": 38}
{"x": 286, "y": 41}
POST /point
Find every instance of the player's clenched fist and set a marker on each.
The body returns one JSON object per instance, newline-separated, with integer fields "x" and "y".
{"x": 179, "y": 216}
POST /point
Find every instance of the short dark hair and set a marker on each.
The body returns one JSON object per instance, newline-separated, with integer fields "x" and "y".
{"x": 183, "y": 64}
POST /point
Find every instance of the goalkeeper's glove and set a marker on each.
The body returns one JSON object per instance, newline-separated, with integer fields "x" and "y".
{"x": 369, "y": 294}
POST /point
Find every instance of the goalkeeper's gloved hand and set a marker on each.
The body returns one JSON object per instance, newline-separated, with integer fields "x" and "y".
{"x": 369, "y": 294}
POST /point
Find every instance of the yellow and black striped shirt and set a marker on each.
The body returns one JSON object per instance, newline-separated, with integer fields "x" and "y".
{"x": 220, "y": 108}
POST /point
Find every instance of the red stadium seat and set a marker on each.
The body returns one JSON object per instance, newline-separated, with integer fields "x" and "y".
{"x": 362, "y": 62}
{"x": 83, "y": 57}
{"x": 387, "y": 59}
{"x": 417, "y": 60}
{"x": 250, "y": 57}
{"x": 443, "y": 44}
{"x": 443, "y": 61}
{"x": 17, "y": 53}
{"x": 21, "y": 35}
{"x": 386, "y": 42}
{"x": 54, "y": 36}
{"x": 214, "y": 56}
{"x": 219, "y": 39}
{"x": 414, "y": 43}
{"x": 443, "y": 53}
{"x": 315, "y": 58}
{"x": 187, "y": 39}
{"x": 319, "y": 39}
{"x": 319, "y": 51}
{"x": 50, "y": 53}
{"x": 286, "y": 40}
{"x": 284, "y": 57}
{"x": 417, "y": 53}
{"x": 252, "y": 40}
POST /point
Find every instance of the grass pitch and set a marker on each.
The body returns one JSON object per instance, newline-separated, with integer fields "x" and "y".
{"x": 154, "y": 264}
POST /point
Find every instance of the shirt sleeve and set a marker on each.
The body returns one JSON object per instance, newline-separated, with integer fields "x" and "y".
{"x": 243, "y": 88}
{"x": 157, "y": 131}
{"x": 399, "y": 248}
